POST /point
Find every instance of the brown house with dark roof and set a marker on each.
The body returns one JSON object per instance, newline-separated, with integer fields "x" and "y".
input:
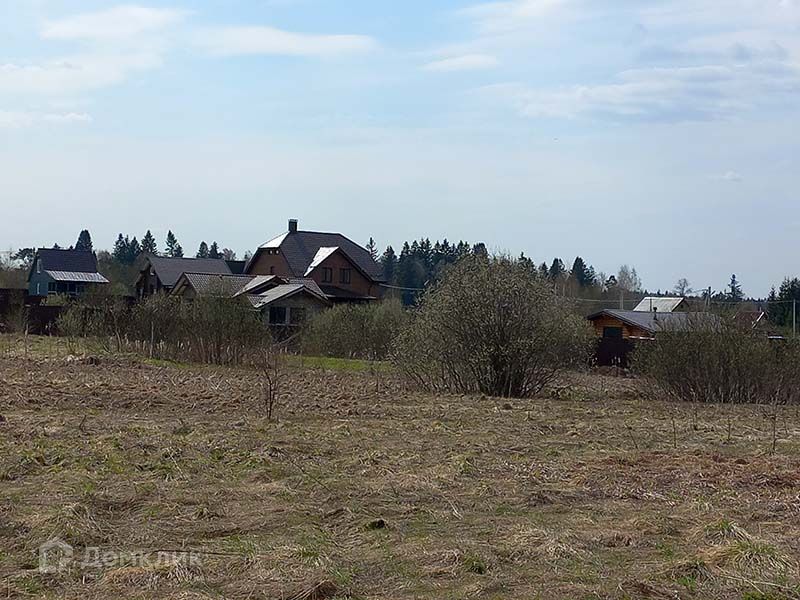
{"x": 161, "y": 273}
{"x": 343, "y": 270}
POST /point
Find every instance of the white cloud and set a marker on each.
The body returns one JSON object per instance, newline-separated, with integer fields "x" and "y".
{"x": 731, "y": 176}
{"x": 495, "y": 17}
{"x": 18, "y": 120}
{"x": 467, "y": 62}
{"x": 74, "y": 74}
{"x": 672, "y": 94}
{"x": 114, "y": 24}
{"x": 236, "y": 41}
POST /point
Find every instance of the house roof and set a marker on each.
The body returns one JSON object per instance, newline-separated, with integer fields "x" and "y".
{"x": 653, "y": 322}
{"x": 320, "y": 257}
{"x": 70, "y": 261}
{"x": 76, "y": 277}
{"x": 662, "y": 305}
{"x": 284, "y": 291}
{"x": 213, "y": 283}
{"x": 300, "y": 248}
{"x": 169, "y": 269}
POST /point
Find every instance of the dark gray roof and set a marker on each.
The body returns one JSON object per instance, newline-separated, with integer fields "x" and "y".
{"x": 656, "y": 321}
{"x": 214, "y": 284}
{"x": 300, "y": 248}
{"x": 72, "y": 261}
{"x": 169, "y": 270}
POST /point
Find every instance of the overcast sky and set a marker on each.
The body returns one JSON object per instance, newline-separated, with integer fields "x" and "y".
{"x": 660, "y": 133}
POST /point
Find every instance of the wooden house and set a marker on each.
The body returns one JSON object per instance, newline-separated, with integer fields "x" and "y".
{"x": 63, "y": 272}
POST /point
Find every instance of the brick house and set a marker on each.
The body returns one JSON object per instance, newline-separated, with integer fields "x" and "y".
{"x": 343, "y": 270}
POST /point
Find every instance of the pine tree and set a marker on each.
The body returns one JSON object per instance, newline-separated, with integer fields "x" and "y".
{"x": 178, "y": 251}
{"x": 171, "y": 245}
{"x": 134, "y": 250}
{"x": 735, "y": 293}
{"x": 557, "y": 270}
{"x": 583, "y": 275}
{"x": 372, "y": 248}
{"x": 479, "y": 249}
{"x": 213, "y": 251}
{"x": 389, "y": 263}
{"x": 121, "y": 252}
{"x": 202, "y": 251}
{"x": 148, "y": 244}
{"x": 84, "y": 242}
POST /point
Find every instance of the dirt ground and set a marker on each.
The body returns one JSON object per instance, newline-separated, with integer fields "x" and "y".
{"x": 363, "y": 489}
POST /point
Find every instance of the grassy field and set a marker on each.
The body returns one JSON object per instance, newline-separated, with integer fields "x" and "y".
{"x": 363, "y": 489}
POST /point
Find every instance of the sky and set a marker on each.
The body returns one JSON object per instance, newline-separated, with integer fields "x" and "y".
{"x": 657, "y": 133}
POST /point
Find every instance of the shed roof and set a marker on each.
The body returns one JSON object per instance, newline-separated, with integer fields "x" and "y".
{"x": 284, "y": 291}
{"x": 76, "y": 277}
{"x": 654, "y": 322}
{"x": 213, "y": 283}
{"x": 170, "y": 269}
{"x": 662, "y": 305}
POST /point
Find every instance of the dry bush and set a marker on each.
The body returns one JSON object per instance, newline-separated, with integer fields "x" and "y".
{"x": 356, "y": 331}
{"x": 715, "y": 361}
{"x": 491, "y": 326}
{"x": 214, "y": 330}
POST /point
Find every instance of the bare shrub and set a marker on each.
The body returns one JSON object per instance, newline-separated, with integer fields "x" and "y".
{"x": 356, "y": 331}
{"x": 491, "y": 326}
{"x": 214, "y": 330}
{"x": 715, "y": 361}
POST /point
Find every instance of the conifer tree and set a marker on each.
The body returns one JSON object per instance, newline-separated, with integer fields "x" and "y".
{"x": 134, "y": 250}
{"x": 202, "y": 251}
{"x": 389, "y": 263}
{"x": 171, "y": 245}
{"x": 372, "y": 248}
{"x": 213, "y": 251}
{"x": 84, "y": 242}
{"x": 148, "y": 244}
{"x": 121, "y": 249}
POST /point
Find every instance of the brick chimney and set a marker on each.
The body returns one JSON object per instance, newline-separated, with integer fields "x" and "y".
{"x": 292, "y": 225}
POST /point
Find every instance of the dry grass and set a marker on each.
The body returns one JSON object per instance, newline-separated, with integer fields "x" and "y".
{"x": 365, "y": 491}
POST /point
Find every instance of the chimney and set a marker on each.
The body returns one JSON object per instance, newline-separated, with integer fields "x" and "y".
{"x": 292, "y": 225}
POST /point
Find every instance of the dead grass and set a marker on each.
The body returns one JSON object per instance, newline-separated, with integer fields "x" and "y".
{"x": 365, "y": 491}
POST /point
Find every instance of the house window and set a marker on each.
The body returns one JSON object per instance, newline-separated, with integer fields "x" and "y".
{"x": 277, "y": 315}
{"x": 345, "y": 276}
{"x": 297, "y": 316}
{"x": 51, "y": 287}
{"x": 614, "y": 333}
{"x": 327, "y": 275}
{"x": 39, "y": 266}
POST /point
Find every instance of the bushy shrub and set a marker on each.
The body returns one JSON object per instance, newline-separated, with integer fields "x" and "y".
{"x": 364, "y": 331}
{"x": 212, "y": 330}
{"x": 716, "y": 361}
{"x": 491, "y": 326}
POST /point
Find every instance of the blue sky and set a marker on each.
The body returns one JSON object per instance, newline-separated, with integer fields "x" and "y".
{"x": 663, "y": 133}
